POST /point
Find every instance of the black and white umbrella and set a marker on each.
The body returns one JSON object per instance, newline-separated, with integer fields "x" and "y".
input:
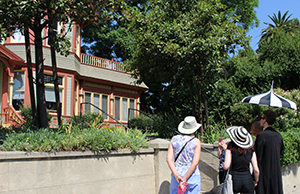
{"x": 270, "y": 99}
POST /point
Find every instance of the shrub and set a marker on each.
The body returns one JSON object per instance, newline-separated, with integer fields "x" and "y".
{"x": 244, "y": 114}
{"x": 291, "y": 153}
{"x": 144, "y": 123}
{"x": 94, "y": 139}
{"x": 87, "y": 120}
{"x": 212, "y": 132}
{"x": 26, "y": 113}
{"x": 165, "y": 126}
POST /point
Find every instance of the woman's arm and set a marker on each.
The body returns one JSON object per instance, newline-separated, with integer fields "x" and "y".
{"x": 227, "y": 162}
{"x": 195, "y": 161}
{"x": 255, "y": 168}
{"x": 170, "y": 157}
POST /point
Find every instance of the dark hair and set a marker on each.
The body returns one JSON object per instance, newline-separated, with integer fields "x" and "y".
{"x": 270, "y": 116}
{"x": 235, "y": 148}
{"x": 256, "y": 125}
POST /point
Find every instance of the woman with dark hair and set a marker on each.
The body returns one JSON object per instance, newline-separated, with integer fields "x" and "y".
{"x": 239, "y": 154}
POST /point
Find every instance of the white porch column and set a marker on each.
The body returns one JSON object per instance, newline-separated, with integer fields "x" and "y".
{"x": 10, "y": 90}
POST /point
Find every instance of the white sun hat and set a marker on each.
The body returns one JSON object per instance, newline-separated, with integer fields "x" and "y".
{"x": 189, "y": 125}
{"x": 240, "y": 136}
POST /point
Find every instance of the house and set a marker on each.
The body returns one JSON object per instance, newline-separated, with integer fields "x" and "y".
{"x": 82, "y": 78}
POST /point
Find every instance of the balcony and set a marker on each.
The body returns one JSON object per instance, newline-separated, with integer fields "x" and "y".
{"x": 100, "y": 62}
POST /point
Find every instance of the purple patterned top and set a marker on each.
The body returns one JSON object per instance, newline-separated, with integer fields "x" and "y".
{"x": 185, "y": 159}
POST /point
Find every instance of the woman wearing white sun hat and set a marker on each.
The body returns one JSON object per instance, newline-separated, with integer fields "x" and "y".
{"x": 183, "y": 157}
{"x": 239, "y": 154}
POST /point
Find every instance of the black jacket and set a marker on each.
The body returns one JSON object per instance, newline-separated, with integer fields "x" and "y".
{"x": 269, "y": 147}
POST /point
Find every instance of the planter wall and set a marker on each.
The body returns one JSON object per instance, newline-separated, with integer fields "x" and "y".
{"x": 77, "y": 172}
{"x": 106, "y": 173}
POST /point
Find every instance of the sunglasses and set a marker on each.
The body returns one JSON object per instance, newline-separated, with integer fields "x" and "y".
{"x": 262, "y": 117}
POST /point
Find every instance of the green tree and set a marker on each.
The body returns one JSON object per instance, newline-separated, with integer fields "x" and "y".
{"x": 36, "y": 16}
{"x": 108, "y": 40}
{"x": 189, "y": 39}
{"x": 283, "y": 53}
{"x": 279, "y": 22}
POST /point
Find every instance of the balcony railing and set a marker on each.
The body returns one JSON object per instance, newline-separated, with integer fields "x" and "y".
{"x": 100, "y": 62}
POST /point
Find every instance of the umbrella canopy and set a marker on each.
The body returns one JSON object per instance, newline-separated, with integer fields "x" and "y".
{"x": 270, "y": 99}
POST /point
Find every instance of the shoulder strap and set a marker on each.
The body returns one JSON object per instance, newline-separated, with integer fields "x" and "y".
{"x": 183, "y": 148}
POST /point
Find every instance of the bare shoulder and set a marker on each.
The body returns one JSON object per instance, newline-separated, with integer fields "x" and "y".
{"x": 197, "y": 141}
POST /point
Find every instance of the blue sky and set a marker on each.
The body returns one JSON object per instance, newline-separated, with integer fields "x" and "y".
{"x": 268, "y": 7}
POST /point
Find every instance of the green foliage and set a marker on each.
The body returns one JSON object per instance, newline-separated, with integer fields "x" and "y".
{"x": 6, "y": 130}
{"x": 283, "y": 52}
{"x": 26, "y": 113}
{"x": 165, "y": 126}
{"x": 94, "y": 139}
{"x": 291, "y": 153}
{"x": 87, "y": 120}
{"x": 244, "y": 114}
{"x": 288, "y": 119}
{"x": 144, "y": 123}
{"x": 213, "y": 132}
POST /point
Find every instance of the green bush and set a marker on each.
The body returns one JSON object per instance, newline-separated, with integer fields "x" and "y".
{"x": 87, "y": 120}
{"x": 26, "y": 113}
{"x": 144, "y": 123}
{"x": 212, "y": 132}
{"x": 291, "y": 153}
{"x": 165, "y": 126}
{"x": 94, "y": 139}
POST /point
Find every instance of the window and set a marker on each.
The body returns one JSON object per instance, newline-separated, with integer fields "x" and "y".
{"x": 105, "y": 106}
{"x": 50, "y": 92}
{"x": 121, "y": 108}
{"x": 117, "y": 108}
{"x": 17, "y": 36}
{"x": 51, "y": 99}
{"x": 96, "y": 103}
{"x": 56, "y": 29}
{"x": 18, "y": 90}
{"x": 131, "y": 105}
{"x": 48, "y": 79}
{"x": 99, "y": 101}
{"x": 124, "y": 109}
{"x": 87, "y": 107}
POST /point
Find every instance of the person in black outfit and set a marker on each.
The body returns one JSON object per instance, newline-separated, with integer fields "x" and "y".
{"x": 239, "y": 154}
{"x": 269, "y": 147}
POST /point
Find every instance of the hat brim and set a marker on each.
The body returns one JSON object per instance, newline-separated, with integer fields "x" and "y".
{"x": 247, "y": 144}
{"x": 187, "y": 131}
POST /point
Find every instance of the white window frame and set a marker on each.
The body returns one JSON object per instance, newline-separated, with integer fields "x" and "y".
{"x": 92, "y": 100}
{"x": 123, "y": 110}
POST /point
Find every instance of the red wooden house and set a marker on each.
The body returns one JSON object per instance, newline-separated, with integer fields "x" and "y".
{"x": 82, "y": 78}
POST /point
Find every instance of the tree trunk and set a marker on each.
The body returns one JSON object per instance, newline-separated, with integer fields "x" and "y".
{"x": 30, "y": 79}
{"x": 206, "y": 109}
{"x": 55, "y": 77}
{"x": 192, "y": 95}
{"x": 40, "y": 88}
{"x": 199, "y": 74}
{"x": 200, "y": 110}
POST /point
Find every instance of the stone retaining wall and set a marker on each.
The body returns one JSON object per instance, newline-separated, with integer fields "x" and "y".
{"x": 116, "y": 172}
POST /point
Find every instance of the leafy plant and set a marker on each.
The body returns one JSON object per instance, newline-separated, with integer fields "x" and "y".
{"x": 164, "y": 125}
{"x": 27, "y": 116}
{"x": 94, "y": 139}
{"x": 87, "y": 120}
{"x": 291, "y": 153}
